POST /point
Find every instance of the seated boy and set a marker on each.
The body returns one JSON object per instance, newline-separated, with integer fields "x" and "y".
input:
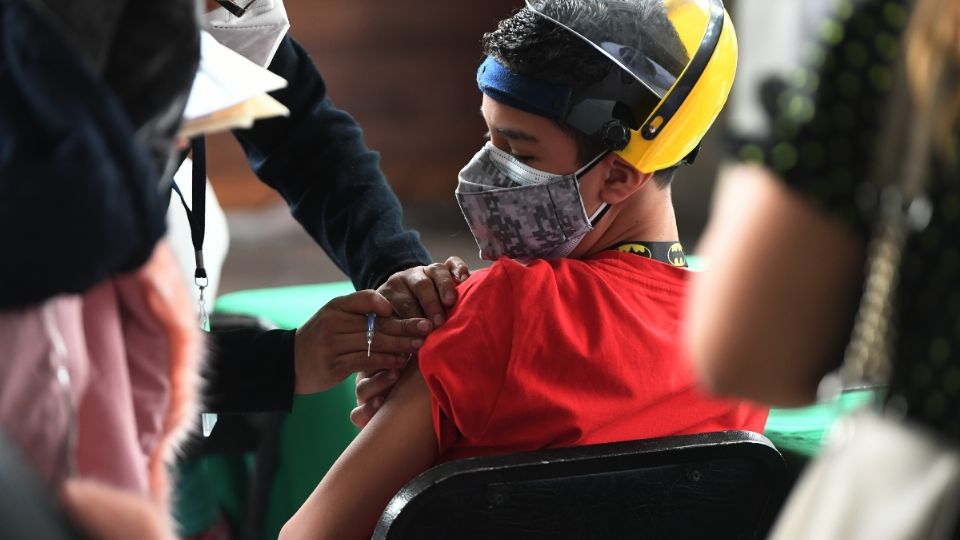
{"x": 571, "y": 336}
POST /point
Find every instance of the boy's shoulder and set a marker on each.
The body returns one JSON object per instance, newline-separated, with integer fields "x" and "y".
{"x": 514, "y": 281}
{"x": 610, "y": 261}
{"x": 506, "y": 280}
{"x": 506, "y": 272}
{"x": 498, "y": 276}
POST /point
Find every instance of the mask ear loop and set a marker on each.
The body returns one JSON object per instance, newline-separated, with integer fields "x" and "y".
{"x": 602, "y": 210}
{"x": 590, "y": 165}
{"x": 598, "y": 215}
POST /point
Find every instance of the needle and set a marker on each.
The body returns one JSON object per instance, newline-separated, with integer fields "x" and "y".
{"x": 370, "y": 319}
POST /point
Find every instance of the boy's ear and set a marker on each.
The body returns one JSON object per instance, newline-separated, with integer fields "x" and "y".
{"x": 622, "y": 179}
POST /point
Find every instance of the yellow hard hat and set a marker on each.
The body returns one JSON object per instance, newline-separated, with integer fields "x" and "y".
{"x": 683, "y": 54}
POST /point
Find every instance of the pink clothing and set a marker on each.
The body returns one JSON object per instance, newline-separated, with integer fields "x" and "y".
{"x": 131, "y": 346}
{"x": 33, "y": 410}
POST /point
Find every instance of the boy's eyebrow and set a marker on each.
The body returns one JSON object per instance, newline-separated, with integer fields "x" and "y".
{"x": 511, "y": 134}
{"x": 516, "y": 135}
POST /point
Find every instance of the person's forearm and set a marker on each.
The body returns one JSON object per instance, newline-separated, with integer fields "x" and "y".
{"x": 397, "y": 445}
{"x": 249, "y": 370}
{"x": 318, "y": 161}
{"x": 767, "y": 318}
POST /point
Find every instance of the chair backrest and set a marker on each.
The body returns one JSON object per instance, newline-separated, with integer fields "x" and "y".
{"x": 715, "y": 485}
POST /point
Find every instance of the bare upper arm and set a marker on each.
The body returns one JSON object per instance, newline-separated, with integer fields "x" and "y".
{"x": 397, "y": 445}
{"x": 782, "y": 278}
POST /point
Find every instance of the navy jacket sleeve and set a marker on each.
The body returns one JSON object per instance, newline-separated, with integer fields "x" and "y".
{"x": 317, "y": 160}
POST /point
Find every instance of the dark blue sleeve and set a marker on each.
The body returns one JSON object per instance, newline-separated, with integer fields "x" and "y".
{"x": 317, "y": 160}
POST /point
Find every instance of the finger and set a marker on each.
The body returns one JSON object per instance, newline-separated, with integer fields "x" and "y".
{"x": 377, "y": 385}
{"x": 340, "y": 322}
{"x": 426, "y": 294}
{"x": 361, "y": 415}
{"x": 444, "y": 283}
{"x": 363, "y": 374}
{"x": 458, "y": 268}
{"x": 363, "y": 302}
{"x": 403, "y": 327}
{"x": 382, "y": 343}
{"x": 404, "y": 303}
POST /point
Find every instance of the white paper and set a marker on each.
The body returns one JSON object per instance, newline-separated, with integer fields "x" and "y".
{"x": 225, "y": 79}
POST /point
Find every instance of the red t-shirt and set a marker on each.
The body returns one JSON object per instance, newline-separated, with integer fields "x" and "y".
{"x": 568, "y": 353}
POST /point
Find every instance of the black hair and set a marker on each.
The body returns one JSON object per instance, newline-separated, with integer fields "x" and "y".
{"x": 531, "y": 45}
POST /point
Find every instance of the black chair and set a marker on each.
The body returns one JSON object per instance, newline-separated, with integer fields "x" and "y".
{"x": 715, "y": 485}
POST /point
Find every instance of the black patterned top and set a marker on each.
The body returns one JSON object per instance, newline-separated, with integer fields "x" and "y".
{"x": 823, "y": 146}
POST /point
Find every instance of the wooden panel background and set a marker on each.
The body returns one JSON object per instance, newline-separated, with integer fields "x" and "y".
{"x": 405, "y": 70}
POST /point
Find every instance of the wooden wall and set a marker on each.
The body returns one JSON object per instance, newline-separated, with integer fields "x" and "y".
{"x": 405, "y": 69}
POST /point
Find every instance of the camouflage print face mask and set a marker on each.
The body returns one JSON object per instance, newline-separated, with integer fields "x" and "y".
{"x": 516, "y": 211}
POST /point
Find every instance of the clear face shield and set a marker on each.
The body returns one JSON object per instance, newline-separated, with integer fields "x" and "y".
{"x": 653, "y": 40}
{"x": 663, "y": 46}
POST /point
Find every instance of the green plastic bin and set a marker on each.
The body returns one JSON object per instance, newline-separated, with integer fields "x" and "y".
{"x": 801, "y": 430}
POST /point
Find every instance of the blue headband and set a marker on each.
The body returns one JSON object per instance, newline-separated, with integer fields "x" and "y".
{"x": 522, "y": 92}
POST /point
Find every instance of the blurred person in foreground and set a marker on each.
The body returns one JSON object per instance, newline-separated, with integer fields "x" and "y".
{"x": 787, "y": 242}
{"x": 571, "y": 337}
{"x": 100, "y": 349}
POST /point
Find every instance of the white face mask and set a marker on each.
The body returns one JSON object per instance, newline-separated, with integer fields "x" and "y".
{"x": 256, "y": 34}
